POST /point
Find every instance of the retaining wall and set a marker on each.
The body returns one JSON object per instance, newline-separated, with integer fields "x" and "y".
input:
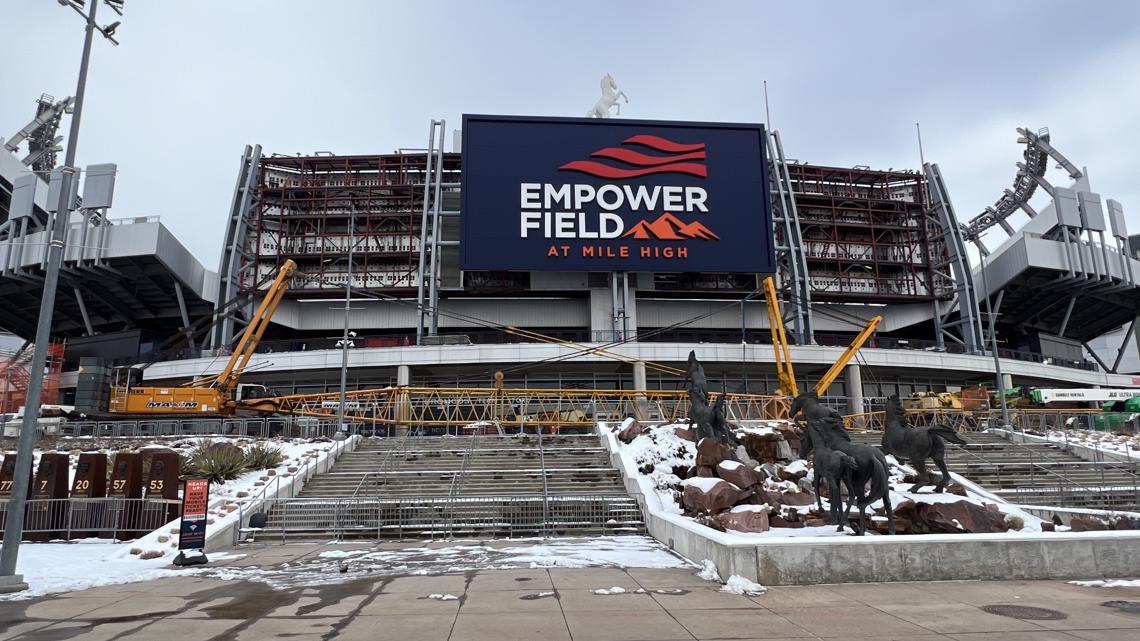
{"x": 921, "y": 557}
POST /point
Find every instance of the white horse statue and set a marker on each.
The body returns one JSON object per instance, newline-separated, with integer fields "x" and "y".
{"x": 610, "y": 95}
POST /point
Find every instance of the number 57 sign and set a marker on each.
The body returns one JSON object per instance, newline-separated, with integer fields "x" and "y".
{"x": 195, "y": 501}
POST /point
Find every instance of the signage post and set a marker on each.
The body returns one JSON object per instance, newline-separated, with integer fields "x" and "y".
{"x": 195, "y": 501}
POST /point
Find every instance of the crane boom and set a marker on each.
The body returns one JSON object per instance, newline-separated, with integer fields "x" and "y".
{"x": 779, "y": 340}
{"x": 227, "y": 379}
{"x": 525, "y": 333}
{"x": 849, "y": 353}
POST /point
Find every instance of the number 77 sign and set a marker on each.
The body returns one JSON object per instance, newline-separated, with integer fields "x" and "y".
{"x": 195, "y": 501}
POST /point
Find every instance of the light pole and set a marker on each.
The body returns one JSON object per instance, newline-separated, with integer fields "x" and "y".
{"x": 66, "y": 178}
{"x": 993, "y": 346}
{"x": 347, "y": 308}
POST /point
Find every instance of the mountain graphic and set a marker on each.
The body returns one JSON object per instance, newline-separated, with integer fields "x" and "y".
{"x": 669, "y": 227}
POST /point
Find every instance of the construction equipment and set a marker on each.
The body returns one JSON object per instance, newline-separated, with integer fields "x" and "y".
{"x": 219, "y": 394}
{"x": 784, "y": 370}
{"x": 1054, "y": 397}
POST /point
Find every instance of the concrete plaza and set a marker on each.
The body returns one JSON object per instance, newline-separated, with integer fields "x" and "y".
{"x": 557, "y": 604}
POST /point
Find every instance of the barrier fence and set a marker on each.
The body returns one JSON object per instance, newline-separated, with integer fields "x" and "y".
{"x": 445, "y": 517}
{"x": 1020, "y": 419}
{"x": 111, "y": 518}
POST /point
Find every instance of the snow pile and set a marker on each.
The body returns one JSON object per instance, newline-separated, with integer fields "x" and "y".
{"x": 708, "y": 571}
{"x": 443, "y": 597}
{"x": 737, "y": 584}
{"x": 658, "y": 454}
{"x": 613, "y": 590}
{"x": 1121, "y": 445}
{"x": 50, "y": 567}
{"x": 249, "y": 488}
{"x": 1109, "y": 583}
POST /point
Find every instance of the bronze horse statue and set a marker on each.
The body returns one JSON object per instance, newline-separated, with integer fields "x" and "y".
{"x": 834, "y": 467}
{"x": 871, "y": 463}
{"x": 710, "y": 418}
{"x": 916, "y": 444}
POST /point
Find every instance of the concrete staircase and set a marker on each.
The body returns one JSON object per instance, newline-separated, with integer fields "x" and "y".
{"x": 465, "y": 486}
{"x": 1038, "y": 473}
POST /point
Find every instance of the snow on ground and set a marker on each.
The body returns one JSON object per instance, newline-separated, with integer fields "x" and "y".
{"x": 249, "y": 488}
{"x": 1127, "y": 446}
{"x": 51, "y": 567}
{"x": 325, "y": 568}
{"x": 62, "y": 567}
{"x": 708, "y": 571}
{"x": 1109, "y": 583}
{"x": 737, "y": 584}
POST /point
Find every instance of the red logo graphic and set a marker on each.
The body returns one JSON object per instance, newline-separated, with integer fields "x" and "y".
{"x": 679, "y": 158}
{"x": 669, "y": 227}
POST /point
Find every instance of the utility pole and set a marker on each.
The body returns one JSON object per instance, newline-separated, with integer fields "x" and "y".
{"x": 66, "y": 178}
{"x": 993, "y": 346}
{"x": 347, "y": 308}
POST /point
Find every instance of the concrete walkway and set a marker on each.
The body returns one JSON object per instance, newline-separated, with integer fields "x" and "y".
{"x": 559, "y": 605}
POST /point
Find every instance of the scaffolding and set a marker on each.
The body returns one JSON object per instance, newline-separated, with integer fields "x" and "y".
{"x": 14, "y": 376}
{"x": 323, "y": 211}
{"x": 865, "y": 235}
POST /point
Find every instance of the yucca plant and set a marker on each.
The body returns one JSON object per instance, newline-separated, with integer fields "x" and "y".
{"x": 218, "y": 462}
{"x": 263, "y": 456}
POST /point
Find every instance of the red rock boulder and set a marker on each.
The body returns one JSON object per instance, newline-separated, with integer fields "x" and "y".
{"x": 1081, "y": 523}
{"x": 711, "y": 495}
{"x": 684, "y": 434}
{"x": 630, "y": 432}
{"x": 711, "y": 453}
{"x": 738, "y": 474}
{"x": 960, "y": 516}
{"x": 752, "y": 521}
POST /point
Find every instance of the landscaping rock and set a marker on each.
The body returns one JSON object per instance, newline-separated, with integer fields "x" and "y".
{"x": 738, "y": 474}
{"x": 684, "y": 433}
{"x": 711, "y": 453}
{"x": 632, "y": 431}
{"x": 744, "y": 521}
{"x": 961, "y": 516}
{"x": 780, "y": 521}
{"x": 956, "y": 488}
{"x": 711, "y": 496}
{"x": 1081, "y": 523}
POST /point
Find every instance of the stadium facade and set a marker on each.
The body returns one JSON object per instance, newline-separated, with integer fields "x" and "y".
{"x": 846, "y": 243}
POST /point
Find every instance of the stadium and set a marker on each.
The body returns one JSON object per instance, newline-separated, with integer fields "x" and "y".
{"x": 430, "y": 308}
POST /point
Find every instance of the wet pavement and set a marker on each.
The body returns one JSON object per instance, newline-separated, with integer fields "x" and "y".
{"x": 396, "y": 592}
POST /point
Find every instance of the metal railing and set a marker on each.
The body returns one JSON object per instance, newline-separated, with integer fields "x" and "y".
{"x": 392, "y": 460}
{"x": 111, "y": 517}
{"x": 292, "y": 484}
{"x": 439, "y": 517}
{"x": 1021, "y": 419}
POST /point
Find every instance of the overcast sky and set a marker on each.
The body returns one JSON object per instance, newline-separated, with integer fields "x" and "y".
{"x": 194, "y": 81}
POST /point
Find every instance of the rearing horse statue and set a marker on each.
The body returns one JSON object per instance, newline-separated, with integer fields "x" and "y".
{"x": 610, "y": 95}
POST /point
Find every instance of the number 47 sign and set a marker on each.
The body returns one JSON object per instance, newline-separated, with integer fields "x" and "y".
{"x": 195, "y": 501}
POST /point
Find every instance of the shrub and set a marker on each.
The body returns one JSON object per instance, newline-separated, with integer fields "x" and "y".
{"x": 262, "y": 455}
{"x": 218, "y": 462}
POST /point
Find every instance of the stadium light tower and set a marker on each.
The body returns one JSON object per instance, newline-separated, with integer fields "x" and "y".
{"x": 66, "y": 179}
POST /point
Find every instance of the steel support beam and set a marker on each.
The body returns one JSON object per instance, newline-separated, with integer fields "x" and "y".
{"x": 1123, "y": 346}
{"x": 83, "y": 311}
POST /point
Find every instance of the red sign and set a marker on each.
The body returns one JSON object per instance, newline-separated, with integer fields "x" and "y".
{"x": 195, "y": 502}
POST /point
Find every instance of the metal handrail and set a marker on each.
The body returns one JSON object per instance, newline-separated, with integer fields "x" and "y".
{"x": 386, "y": 465}
{"x": 457, "y": 480}
{"x": 1103, "y": 463}
{"x": 545, "y": 487}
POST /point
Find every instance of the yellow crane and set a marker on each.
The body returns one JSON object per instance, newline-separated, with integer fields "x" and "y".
{"x": 784, "y": 369}
{"x": 217, "y": 394}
